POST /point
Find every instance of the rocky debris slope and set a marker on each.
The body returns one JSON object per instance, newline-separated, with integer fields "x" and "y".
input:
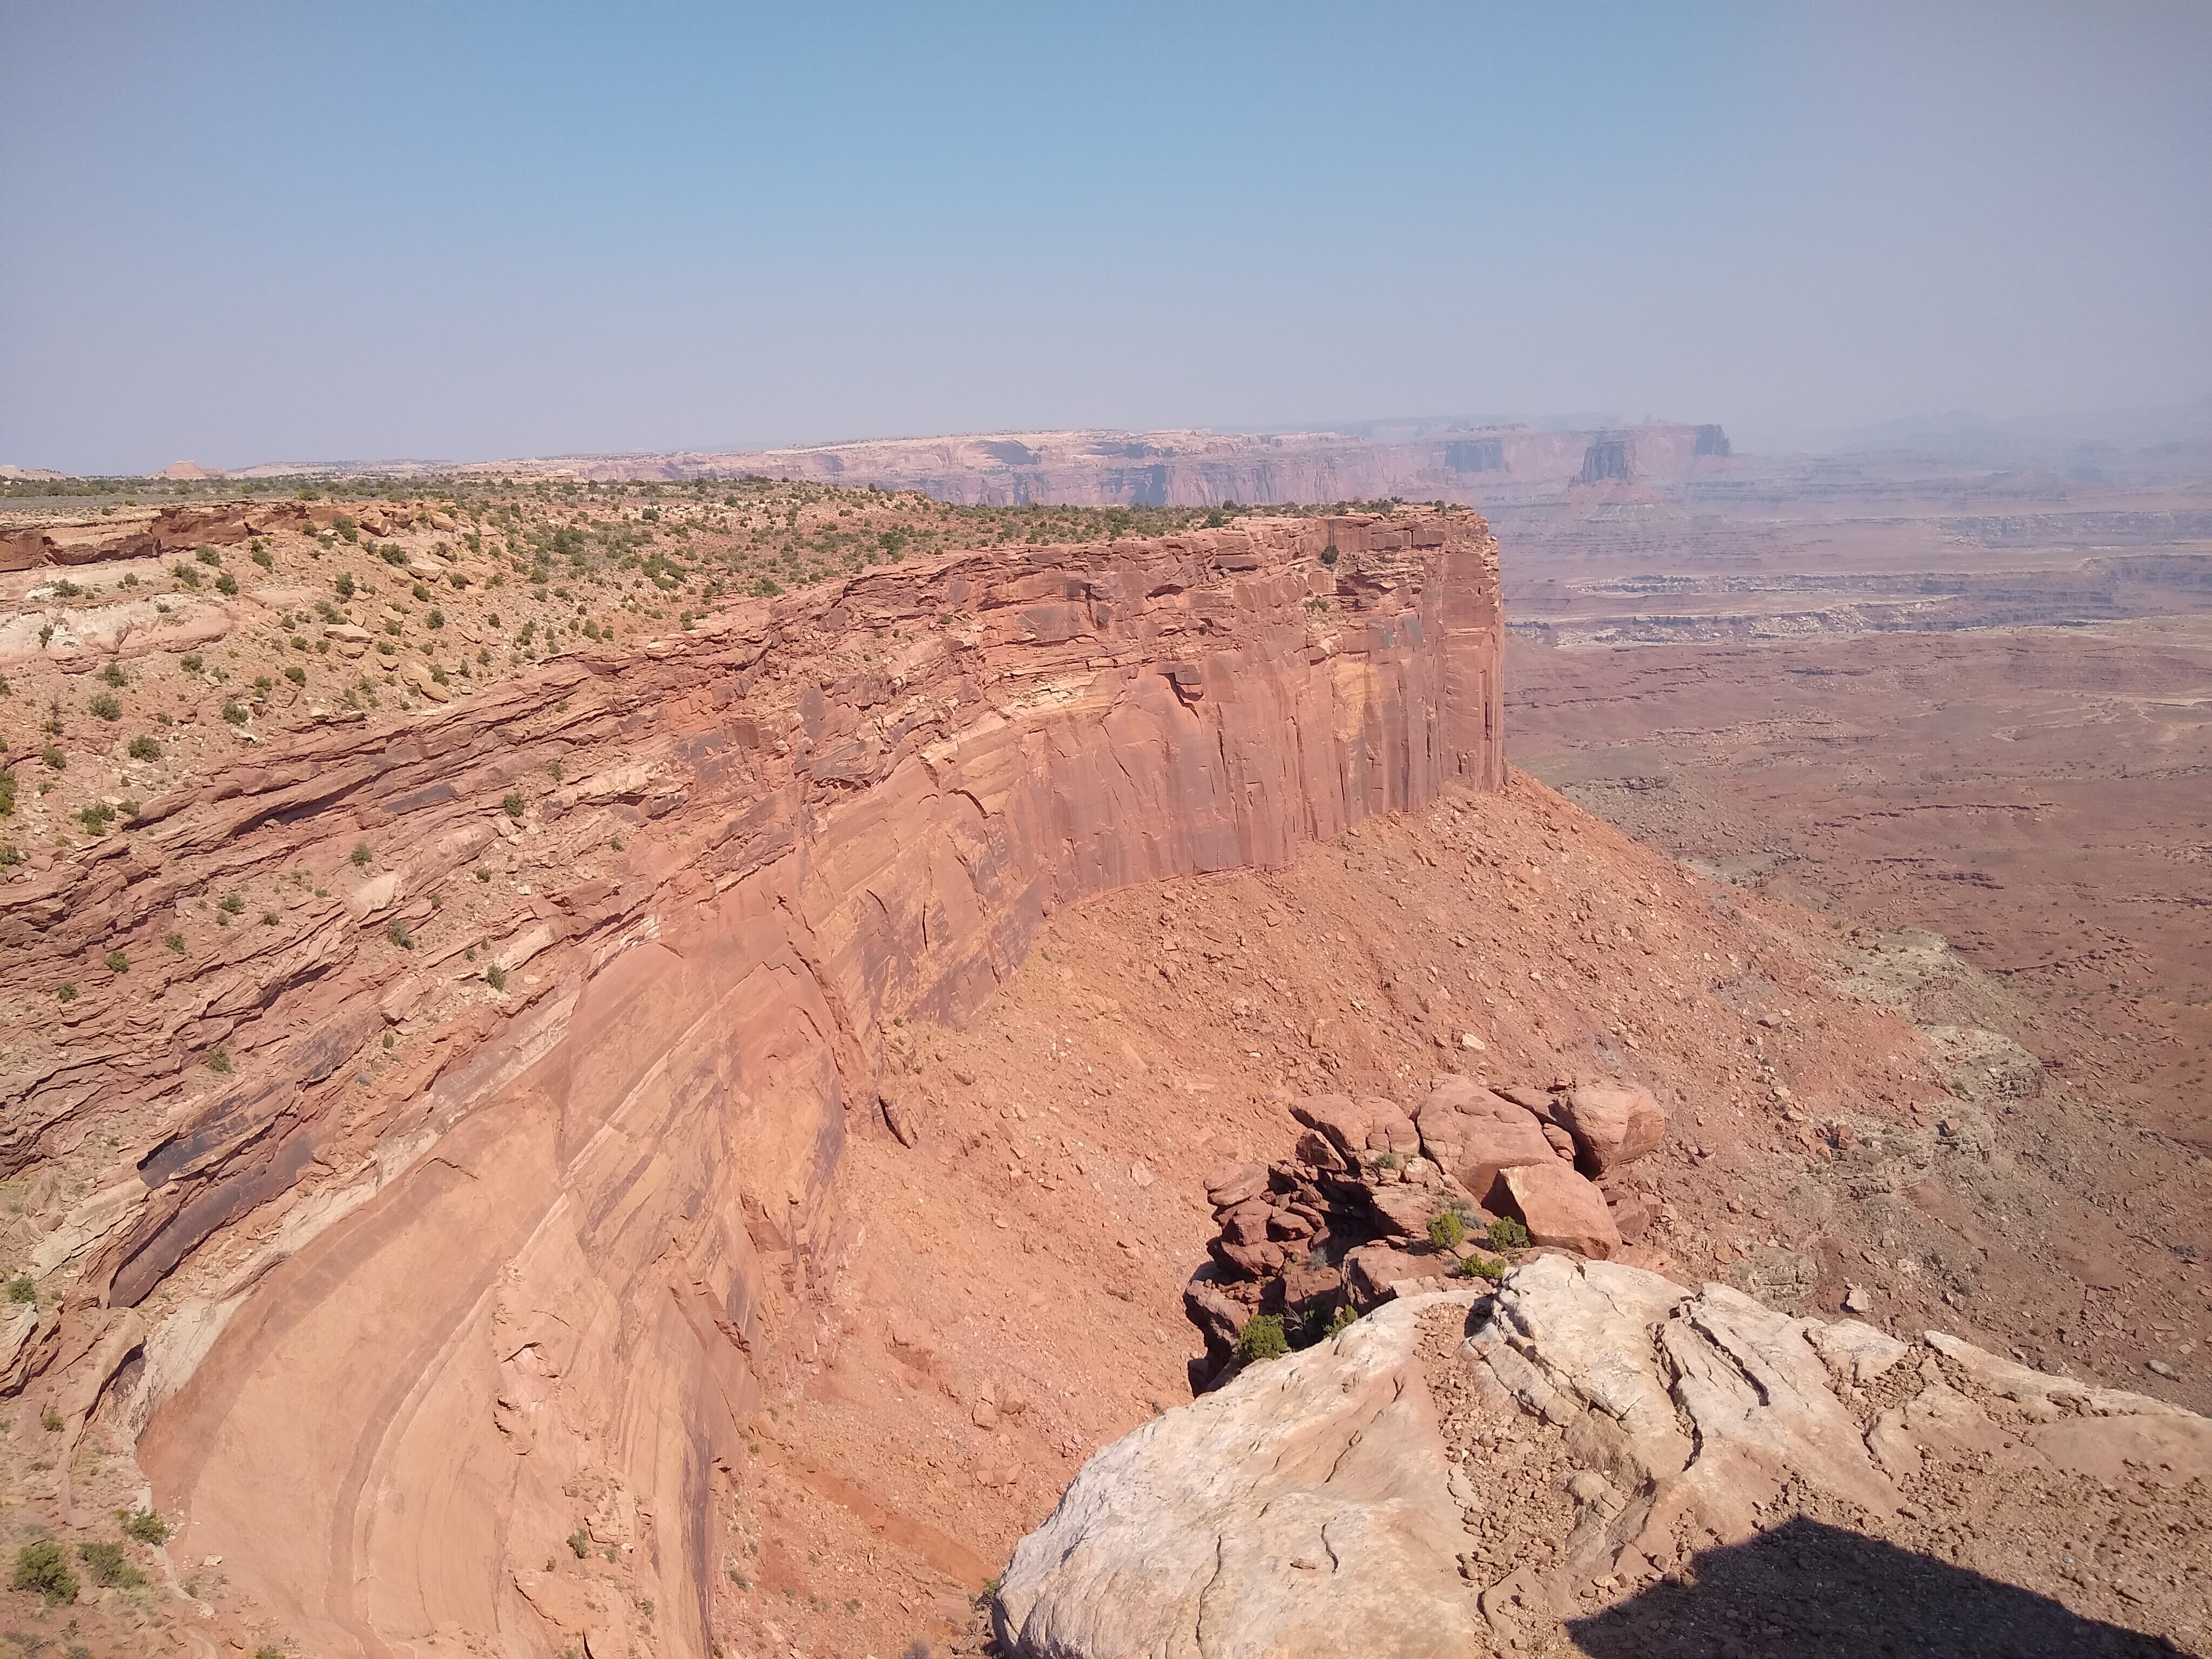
{"x": 537, "y": 1061}
{"x": 1377, "y": 1202}
{"x": 1548, "y": 1463}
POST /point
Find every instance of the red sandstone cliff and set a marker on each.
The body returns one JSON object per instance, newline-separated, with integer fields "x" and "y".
{"x": 529, "y": 1216}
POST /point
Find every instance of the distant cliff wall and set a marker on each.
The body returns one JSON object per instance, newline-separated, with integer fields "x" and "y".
{"x": 1201, "y": 468}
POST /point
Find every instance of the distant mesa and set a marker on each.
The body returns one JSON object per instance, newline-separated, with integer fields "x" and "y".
{"x": 1475, "y": 454}
{"x": 186, "y": 469}
{"x": 1608, "y": 458}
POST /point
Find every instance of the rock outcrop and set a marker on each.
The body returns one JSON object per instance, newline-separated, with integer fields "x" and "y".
{"x": 1378, "y": 1200}
{"x": 541, "y": 1201}
{"x": 1303, "y": 1510}
{"x": 1596, "y": 1431}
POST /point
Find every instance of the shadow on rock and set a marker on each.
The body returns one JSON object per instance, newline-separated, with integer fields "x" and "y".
{"x": 1808, "y": 1589}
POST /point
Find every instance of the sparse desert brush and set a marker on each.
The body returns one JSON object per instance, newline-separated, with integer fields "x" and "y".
{"x": 105, "y": 706}
{"x": 144, "y": 1525}
{"x": 41, "y": 1567}
{"x": 1507, "y": 1234}
{"x": 1262, "y": 1338}
{"x": 144, "y": 747}
{"x": 109, "y": 1567}
{"x": 1446, "y": 1230}
{"x": 114, "y": 675}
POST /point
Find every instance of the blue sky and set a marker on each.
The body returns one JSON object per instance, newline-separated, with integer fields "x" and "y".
{"x": 242, "y": 232}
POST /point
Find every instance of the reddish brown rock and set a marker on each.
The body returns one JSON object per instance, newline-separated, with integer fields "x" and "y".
{"x": 1561, "y": 1208}
{"x": 1473, "y": 1134}
{"x": 901, "y": 1119}
{"x": 1372, "y": 1269}
{"x": 1228, "y": 1185}
{"x": 1247, "y": 1223}
{"x": 1401, "y": 1211}
{"x": 1612, "y": 1123}
{"x": 1343, "y": 1121}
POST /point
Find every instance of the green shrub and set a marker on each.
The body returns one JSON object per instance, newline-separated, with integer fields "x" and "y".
{"x": 1481, "y": 1267}
{"x": 294, "y": 673}
{"x": 105, "y": 706}
{"x": 192, "y": 662}
{"x": 95, "y": 818}
{"x": 114, "y": 675}
{"x": 1446, "y": 1230}
{"x": 207, "y": 555}
{"x": 261, "y": 556}
{"x": 144, "y": 1525}
{"x": 218, "y": 1062}
{"x": 234, "y": 714}
{"x": 22, "y": 1288}
{"x": 514, "y": 805}
{"x": 109, "y": 1566}
{"x": 495, "y": 976}
{"x": 9, "y": 857}
{"x": 144, "y": 747}
{"x": 231, "y": 905}
{"x": 392, "y": 555}
{"x": 1262, "y": 1338}
{"x": 118, "y": 963}
{"x": 42, "y": 1567}
{"x": 343, "y": 583}
{"x": 7, "y": 793}
{"x": 66, "y": 991}
{"x": 361, "y": 855}
{"x": 396, "y": 930}
{"x": 52, "y": 756}
{"x": 1507, "y": 1234}
{"x": 1329, "y": 554}
{"x": 1343, "y": 1320}
{"x": 581, "y": 1542}
{"x": 227, "y": 585}
{"x": 175, "y": 942}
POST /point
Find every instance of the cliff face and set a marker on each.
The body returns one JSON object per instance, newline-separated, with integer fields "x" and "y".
{"x": 428, "y": 1249}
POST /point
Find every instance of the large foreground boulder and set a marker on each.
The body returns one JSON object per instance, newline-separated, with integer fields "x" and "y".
{"x": 1301, "y": 1510}
{"x": 1594, "y": 1448}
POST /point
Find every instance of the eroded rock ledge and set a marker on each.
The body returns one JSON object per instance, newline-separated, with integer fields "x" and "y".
{"x": 543, "y": 1256}
{"x": 1457, "y": 1473}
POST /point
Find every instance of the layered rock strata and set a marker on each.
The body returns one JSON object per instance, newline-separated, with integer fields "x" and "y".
{"x": 1457, "y": 1473}
{"x": 533, "y": 1210}
{"x": 1377, "y": 1202}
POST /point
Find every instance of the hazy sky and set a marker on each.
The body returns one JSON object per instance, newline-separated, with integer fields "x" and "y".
{"x": 288, "y": 231}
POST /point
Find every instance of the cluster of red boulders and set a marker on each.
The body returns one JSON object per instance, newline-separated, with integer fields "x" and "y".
{"x": 1353, "y": 1216}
